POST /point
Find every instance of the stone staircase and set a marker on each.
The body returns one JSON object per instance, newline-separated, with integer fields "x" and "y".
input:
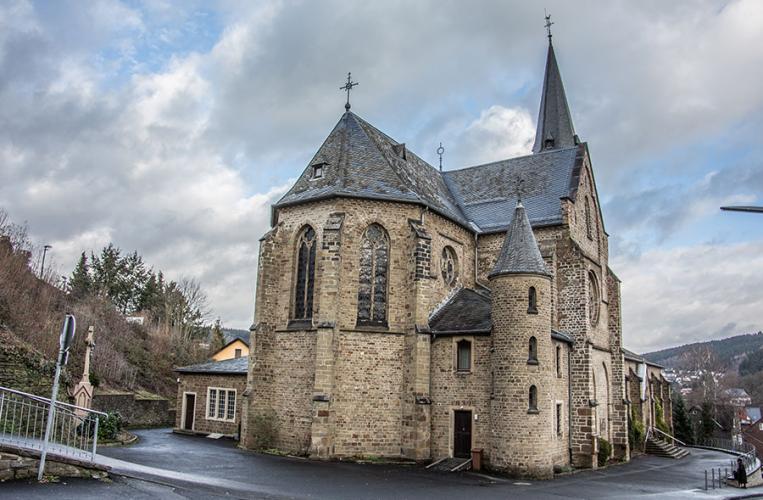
{"x": 655, "y": 446}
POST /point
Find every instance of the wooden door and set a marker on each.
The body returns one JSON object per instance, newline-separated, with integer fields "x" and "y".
{"x": 190, "y": 410}
{"x": 462, "y": 434}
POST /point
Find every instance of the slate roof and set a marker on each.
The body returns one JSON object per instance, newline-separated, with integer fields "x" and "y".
{"x": 361, "y": 161}
{"x": 236, "y": 366}
{"x": 466, "y": 311}
{"x": 520, "y": 253}
{"x": 231, "y": 335}
{"x": 469, "y": 312}
{"x": 554, "y": 118}
{"x": 638, "y": 357}
{"x": 486, "y": 194}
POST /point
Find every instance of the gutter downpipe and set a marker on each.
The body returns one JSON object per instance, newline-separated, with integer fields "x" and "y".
{"x": 569, "y": 401}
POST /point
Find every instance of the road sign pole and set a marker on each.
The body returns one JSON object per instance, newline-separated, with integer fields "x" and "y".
{"x": 67, "y": 335}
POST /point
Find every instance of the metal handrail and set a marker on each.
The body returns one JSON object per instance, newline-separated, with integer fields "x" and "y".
{"x": 23, "y": 419}
{"x": 47, "y": 400}
{"x": 674, "y": 439}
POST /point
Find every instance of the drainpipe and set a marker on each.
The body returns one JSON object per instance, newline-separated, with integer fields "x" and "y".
{"x": 569, "y": 401}
{"x": 476, "y": 237}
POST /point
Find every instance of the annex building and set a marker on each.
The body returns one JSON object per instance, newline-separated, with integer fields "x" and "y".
{"x": 404, "y": 311}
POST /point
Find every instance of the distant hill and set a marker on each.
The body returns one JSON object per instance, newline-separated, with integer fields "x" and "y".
{"x": 744, "y": 352}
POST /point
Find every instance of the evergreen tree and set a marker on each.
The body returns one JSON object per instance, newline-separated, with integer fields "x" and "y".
{"x": 707, "y": 424}
{"x": 681, "y": 423}
{"x": 108, "y": 269}
{"x": 218, "y": 337}
{"x": 134, "y": 279}
{"x": 80, "y": 283}
{"x": 151, "y": 295}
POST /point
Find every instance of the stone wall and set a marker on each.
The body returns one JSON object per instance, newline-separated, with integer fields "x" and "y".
{"x": 561, "y": 396}
{"x": 522, "y": 433}
{"x": 281, "y": 395}
{"x": 199, "y": 384}
{"x": 136, "y": 410}
{"x": 367, "y": 399}
{"x": 25, "y": 369}
{"x": 453, "y": 390}
{"x": 334, "y": 387}
{"x": 17, "y": 464}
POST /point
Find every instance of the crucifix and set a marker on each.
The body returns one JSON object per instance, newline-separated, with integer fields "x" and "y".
{"x": 548, "y": 24}
{"x": 347, "y": 87}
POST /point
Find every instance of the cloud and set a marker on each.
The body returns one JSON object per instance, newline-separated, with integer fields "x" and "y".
{"x": 689, "y": 294}
{"x": 171, "y": 127}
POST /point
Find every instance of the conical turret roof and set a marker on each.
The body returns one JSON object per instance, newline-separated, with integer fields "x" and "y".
{"x": 555, "y": 128}
{"x": 520, "y": 253}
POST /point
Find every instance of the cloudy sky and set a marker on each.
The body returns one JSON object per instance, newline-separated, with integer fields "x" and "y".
{"x": 170, "y": 127}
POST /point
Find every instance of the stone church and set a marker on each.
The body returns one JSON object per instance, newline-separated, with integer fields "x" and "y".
{"x": 404, "y": 311}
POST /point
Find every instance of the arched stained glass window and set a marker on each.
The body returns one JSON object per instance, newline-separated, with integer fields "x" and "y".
{"x": 372, "y": 283}
{"x": 305, "y": 283}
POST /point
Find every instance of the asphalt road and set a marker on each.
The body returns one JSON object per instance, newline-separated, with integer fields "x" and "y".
{"x": 205, "y": 468}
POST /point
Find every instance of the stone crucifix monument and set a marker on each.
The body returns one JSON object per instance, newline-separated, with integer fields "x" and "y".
{"x": 83, "y": 392}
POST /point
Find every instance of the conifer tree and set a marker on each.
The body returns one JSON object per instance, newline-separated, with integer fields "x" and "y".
{"x": 218, "y": 337}
{"x": 681, "y": 423}
{"x": 80, "y": 283}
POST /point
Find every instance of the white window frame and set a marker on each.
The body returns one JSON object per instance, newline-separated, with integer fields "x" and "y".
{"x": 226, "y": 391}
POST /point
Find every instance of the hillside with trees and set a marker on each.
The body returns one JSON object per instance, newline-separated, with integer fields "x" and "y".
{"x": 145, "y": 325}
{"x": 729, "y": 353}
{"x": 712, "y": 367}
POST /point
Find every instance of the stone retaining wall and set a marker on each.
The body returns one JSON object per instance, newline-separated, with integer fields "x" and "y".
{"x": 18, "y": 464}
{"x": 135, "y": 410}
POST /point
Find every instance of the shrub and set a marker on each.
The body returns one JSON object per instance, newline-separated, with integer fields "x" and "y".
{"x": 605, "y": 451}
{"x": 109, "y": 425}
{"x": 659, "y": 416}
{"x": 635, "y": 431}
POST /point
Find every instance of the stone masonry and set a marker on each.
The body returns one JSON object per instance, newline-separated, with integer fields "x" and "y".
{"x": 335, "y": 385}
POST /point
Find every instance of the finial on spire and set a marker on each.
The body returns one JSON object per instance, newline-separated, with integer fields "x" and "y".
{"x": 347, "y": 87}
{"x": 548, "y": 24}
{"x": 440, "y": 151}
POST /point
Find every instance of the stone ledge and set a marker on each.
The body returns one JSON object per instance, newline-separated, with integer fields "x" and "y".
{"x": 18, "y": 463}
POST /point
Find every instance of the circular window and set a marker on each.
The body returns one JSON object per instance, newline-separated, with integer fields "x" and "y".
{"x": 594, "y": 298}
{"x": 449, "y": 265}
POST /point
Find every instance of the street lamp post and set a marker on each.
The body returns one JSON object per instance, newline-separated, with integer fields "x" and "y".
{"x": 42, "y": 266}
{"x": 756, "y": 210}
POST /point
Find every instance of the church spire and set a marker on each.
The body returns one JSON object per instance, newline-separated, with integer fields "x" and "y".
{"x": 555, "y": 128}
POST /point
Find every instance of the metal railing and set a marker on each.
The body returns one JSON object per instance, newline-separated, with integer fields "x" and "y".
{"x": 742, "y": 450}
{"x": 23, "y": 418}
{"x": 673, "y": 439}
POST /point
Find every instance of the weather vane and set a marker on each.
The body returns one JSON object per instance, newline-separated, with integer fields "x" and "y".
{"x": 440, "y": 151}
{"x": 347, "y": 87}
{"x": 548, "y": 24}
